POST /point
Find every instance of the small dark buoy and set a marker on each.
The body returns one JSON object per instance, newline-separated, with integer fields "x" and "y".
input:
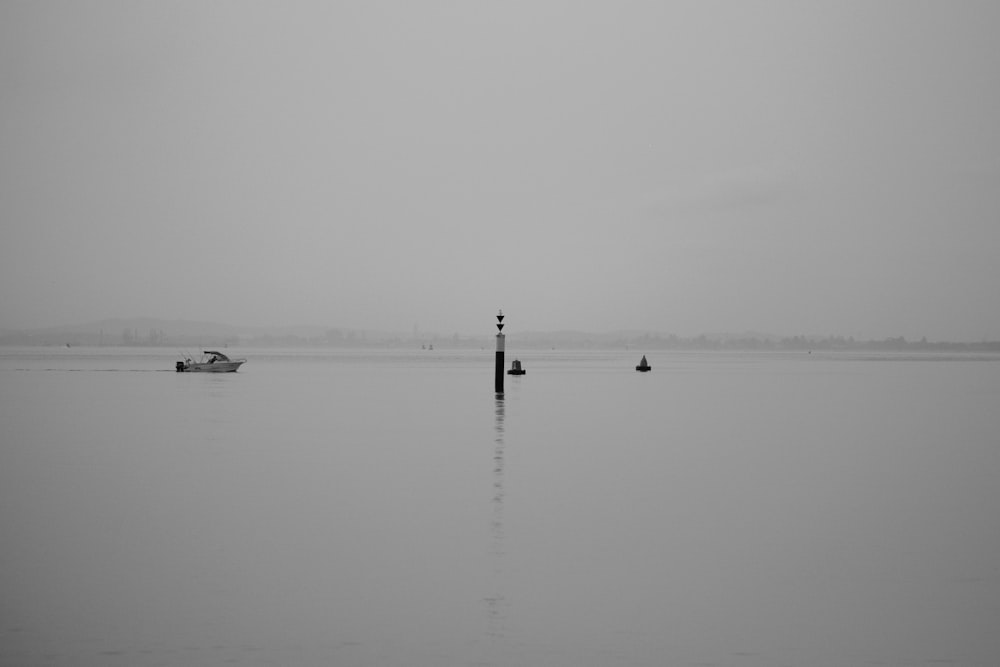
{"x": 643, "y": 365}
{"x": 515, "y": 368}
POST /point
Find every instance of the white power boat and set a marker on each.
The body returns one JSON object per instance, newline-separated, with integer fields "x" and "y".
{"x": 211, "y": 362}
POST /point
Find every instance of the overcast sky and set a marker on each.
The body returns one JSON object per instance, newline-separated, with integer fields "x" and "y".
{"x": 785, "y": 167}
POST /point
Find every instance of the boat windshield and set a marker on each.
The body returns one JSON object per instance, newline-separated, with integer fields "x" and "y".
{"x": 218, "y": 355}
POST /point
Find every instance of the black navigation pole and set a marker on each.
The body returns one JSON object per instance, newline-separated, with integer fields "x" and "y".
{"x": 498, "y": 376}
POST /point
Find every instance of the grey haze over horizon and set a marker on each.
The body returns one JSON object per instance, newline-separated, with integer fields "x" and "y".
{"x": 141, "y": 327}
{"x": 684, "y": 167}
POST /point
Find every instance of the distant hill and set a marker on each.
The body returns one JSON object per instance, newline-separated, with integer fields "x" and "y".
{"x": 152, "y": 331}
{"x": 146, "y": 331}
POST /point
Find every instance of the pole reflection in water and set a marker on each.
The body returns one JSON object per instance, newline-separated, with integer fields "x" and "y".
{"x": 495, "y": 603}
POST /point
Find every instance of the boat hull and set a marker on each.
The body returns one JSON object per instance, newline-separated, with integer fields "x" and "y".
{"x": 217, "y": 367}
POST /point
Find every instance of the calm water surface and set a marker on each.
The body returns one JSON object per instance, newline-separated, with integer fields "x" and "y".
{"x": 386, "y": 508}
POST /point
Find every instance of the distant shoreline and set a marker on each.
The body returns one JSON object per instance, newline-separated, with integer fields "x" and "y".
{"x": 153, "y": 332}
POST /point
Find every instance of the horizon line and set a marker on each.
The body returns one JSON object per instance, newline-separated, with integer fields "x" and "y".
{"x": 747, "y": 334}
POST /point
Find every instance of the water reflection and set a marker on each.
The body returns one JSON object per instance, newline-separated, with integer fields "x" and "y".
{"x": 496, "y": 523}
{"x": 496, "y": 605}
{"x": 217, "y": 402}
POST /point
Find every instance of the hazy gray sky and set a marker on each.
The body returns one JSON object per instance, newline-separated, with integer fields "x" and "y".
{"x": 792, "y": 167}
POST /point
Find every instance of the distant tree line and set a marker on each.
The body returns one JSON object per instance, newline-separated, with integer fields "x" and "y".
{"x": 348, "y": 338}
{"x": 131, "y": 336}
